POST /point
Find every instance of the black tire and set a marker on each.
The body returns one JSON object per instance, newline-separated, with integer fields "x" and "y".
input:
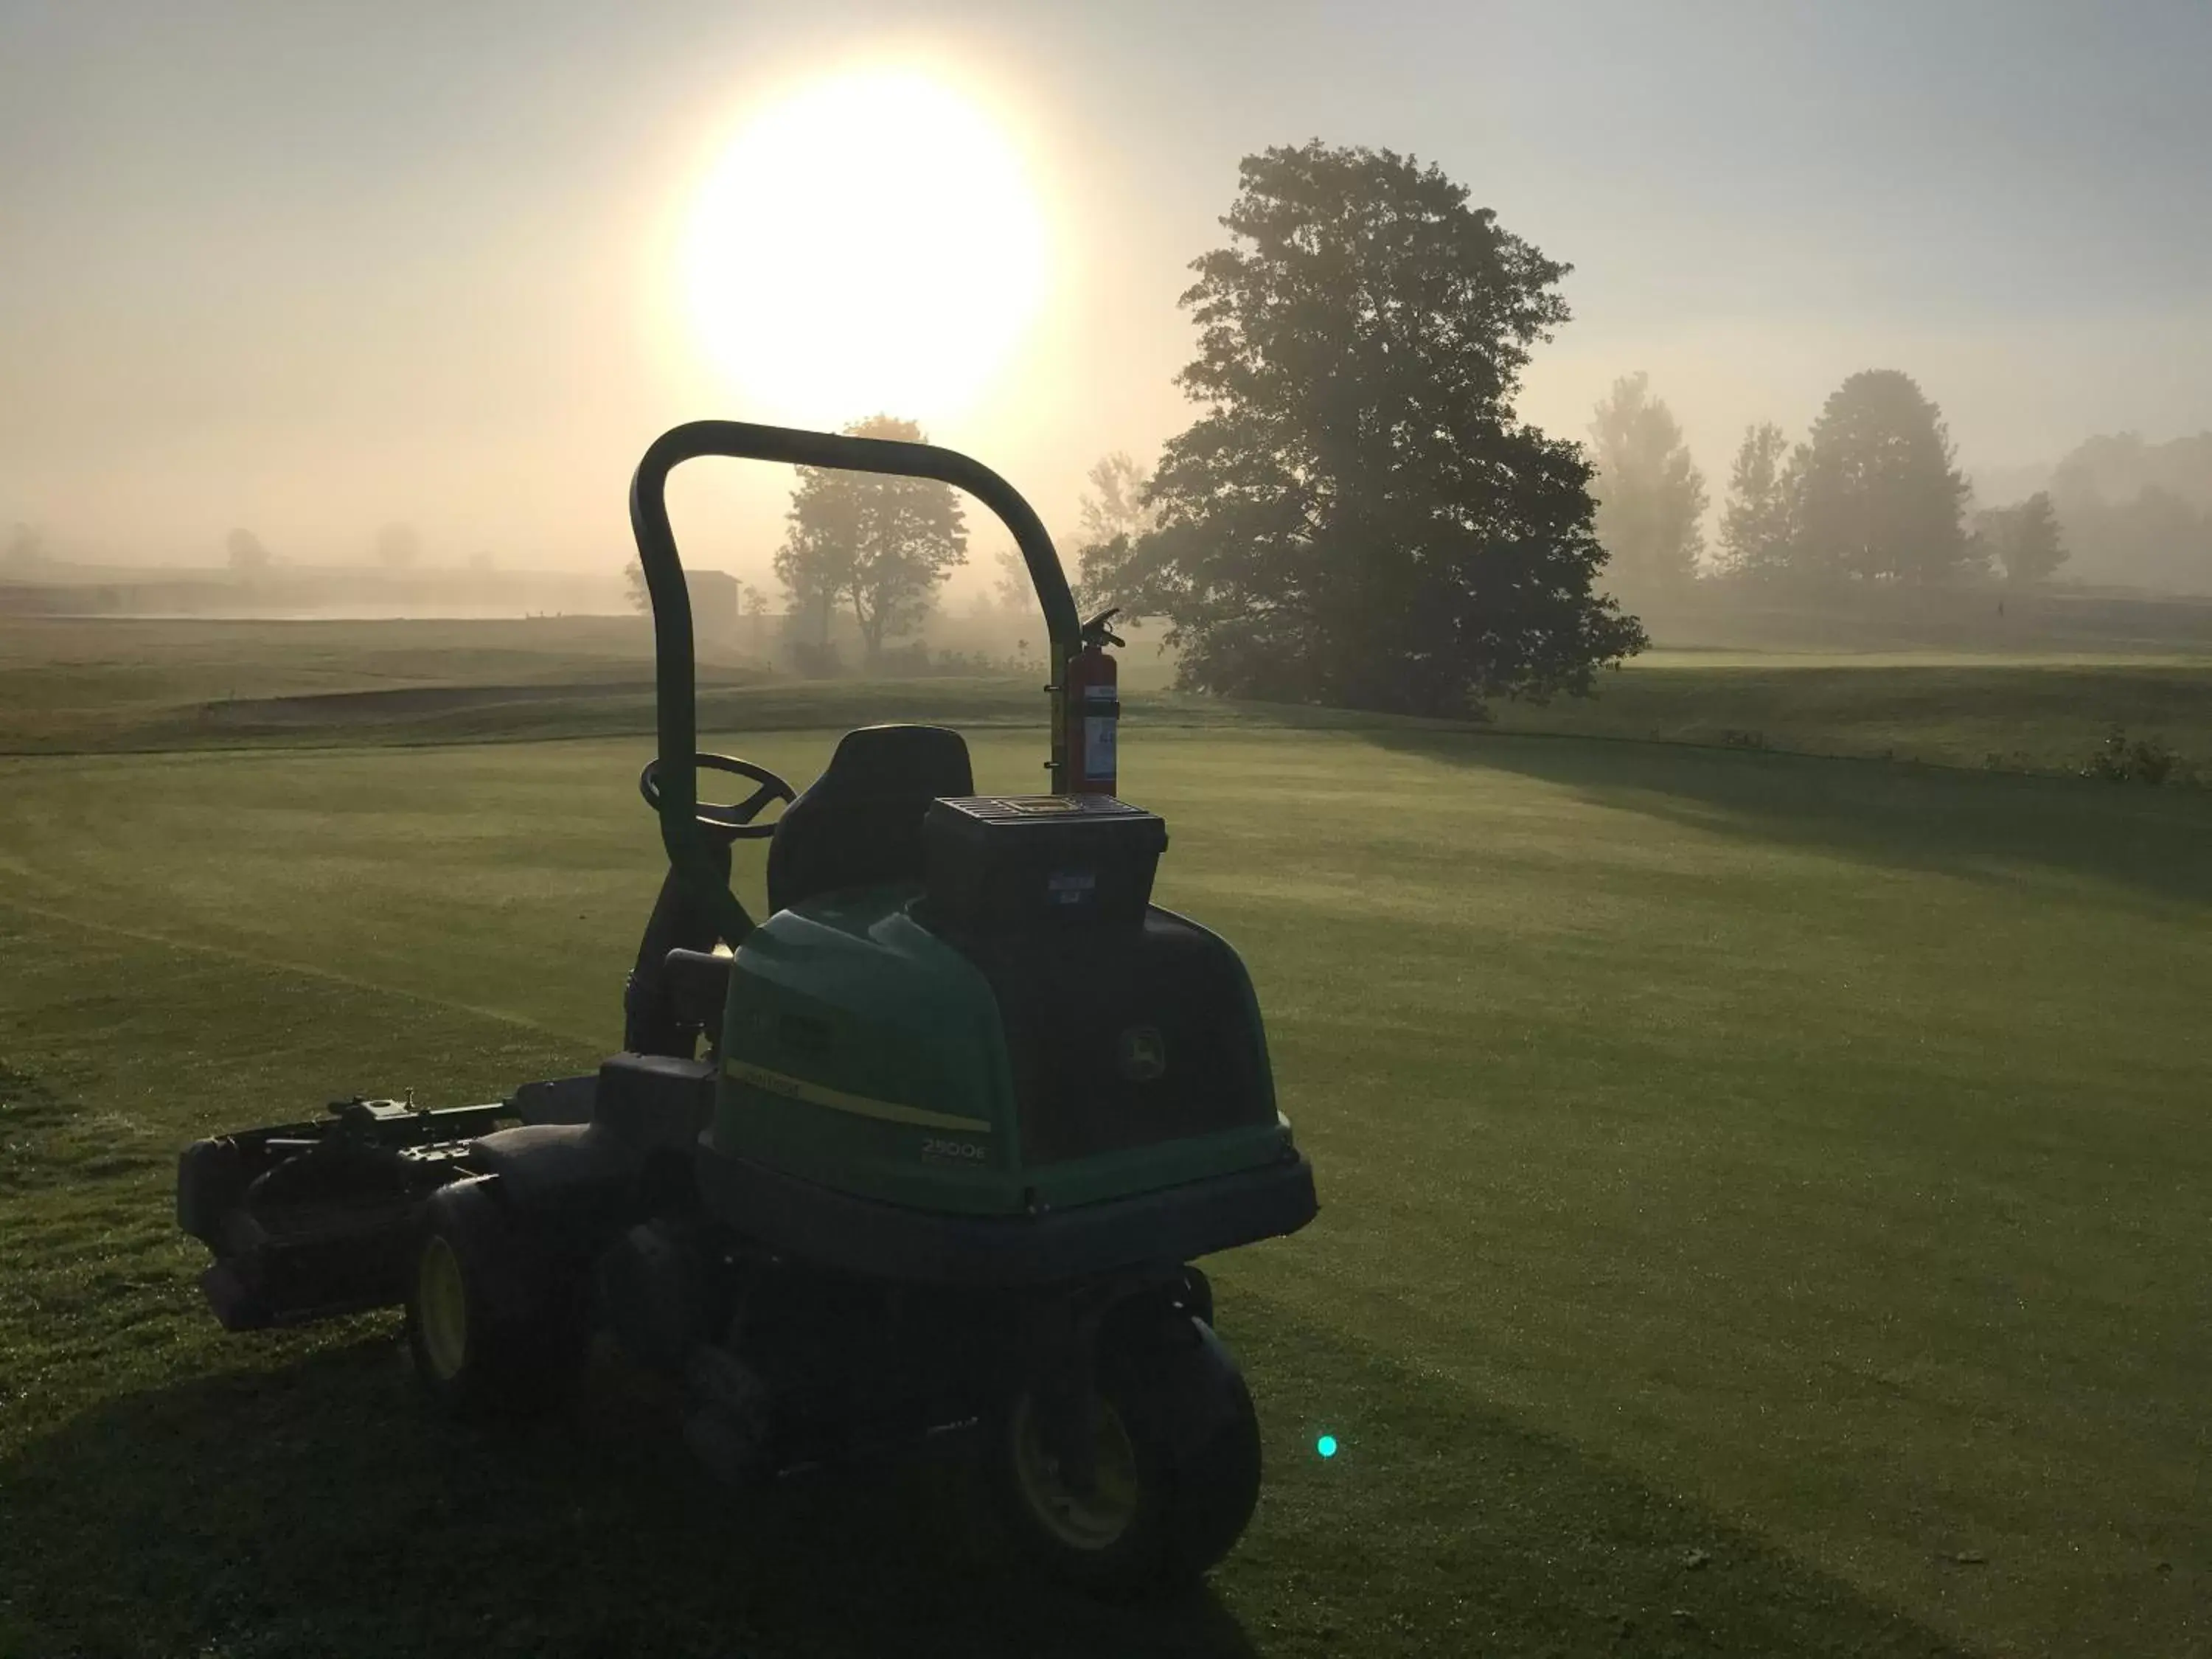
{"x": 494, "y": 1321}
{"x": 1179, "y": 1469}
{"x": 1197, "y": 1295}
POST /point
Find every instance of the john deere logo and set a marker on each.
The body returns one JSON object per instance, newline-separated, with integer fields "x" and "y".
{"x": 1144, "y": 1053}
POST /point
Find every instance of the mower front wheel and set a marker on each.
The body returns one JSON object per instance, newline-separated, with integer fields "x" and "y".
{"x": 1176, "y": 1475}
{"x": 493, "y": 1327}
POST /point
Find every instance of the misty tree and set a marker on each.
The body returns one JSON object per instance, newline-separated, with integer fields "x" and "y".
{"x": 2137, "y": 511}
{"x": 816, "y": 559}
{"x": 876, "y": 544}
{"x": 397, "y": 546}
{"x": 24, "y": 549}
{"x": 1879, "y": 499}
{"x": 1650, "y": 495}
{"x": 1358, "y": 517}
{"x": 1112, "y": 518}
{"x": 1011, "y": 590}
{"x": 245, "y": 552}
{"x": 2023, "y": 538}
{"x": 1759, "y": 519}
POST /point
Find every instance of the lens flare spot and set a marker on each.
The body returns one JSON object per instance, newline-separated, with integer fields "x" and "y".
{"x": 1326, "y": 1445}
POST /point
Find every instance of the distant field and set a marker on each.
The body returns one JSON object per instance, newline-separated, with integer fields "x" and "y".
{"x": 2015, "y": 714}
{"x": 124, "y": 685}
{"x": 79, "y": 683}
{"x": 1764, "y": 1193}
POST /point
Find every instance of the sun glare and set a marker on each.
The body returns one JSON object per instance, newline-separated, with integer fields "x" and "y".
{"x": 866, "y": 243}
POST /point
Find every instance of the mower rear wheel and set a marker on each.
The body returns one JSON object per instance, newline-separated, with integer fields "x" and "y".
{"x": 1196, "y": 1298}
{"x": 493, "y": 1330}
{"x": 1176, "y": 1475}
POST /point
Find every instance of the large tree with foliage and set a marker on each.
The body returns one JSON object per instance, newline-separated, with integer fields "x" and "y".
{"x": 1759, "y": 519}
{"x": 1358, "y": 517}
{"x": 1650, "y": 495}
{"x": 816, "y": 562}
{"x": 879, "y": 545}
{"x": 2023, "y": 538}
{"x": 1879, "y": 499}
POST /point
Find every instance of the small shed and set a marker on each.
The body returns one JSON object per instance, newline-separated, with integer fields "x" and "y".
{"x": 714, "y": 603}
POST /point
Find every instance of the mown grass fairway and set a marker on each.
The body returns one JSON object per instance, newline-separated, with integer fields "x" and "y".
{"x": 1764, "y": 1211}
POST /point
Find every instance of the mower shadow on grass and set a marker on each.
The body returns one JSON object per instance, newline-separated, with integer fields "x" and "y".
{"x": 316, "y": 1509}
{"x": 1969, "y": 825}
{"x": 307, "y": 1508}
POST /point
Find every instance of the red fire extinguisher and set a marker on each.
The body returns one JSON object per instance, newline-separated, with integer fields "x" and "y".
{"x": 1094, "y": 712}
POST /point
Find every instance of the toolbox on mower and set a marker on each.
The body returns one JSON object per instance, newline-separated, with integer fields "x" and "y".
{"x": 1011, "y": 863}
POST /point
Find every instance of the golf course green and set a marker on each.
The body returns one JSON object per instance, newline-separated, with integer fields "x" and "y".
{"x": 1765, "y": 1194}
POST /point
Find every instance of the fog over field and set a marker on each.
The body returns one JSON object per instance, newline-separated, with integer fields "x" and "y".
{"x": 324, "y": 272}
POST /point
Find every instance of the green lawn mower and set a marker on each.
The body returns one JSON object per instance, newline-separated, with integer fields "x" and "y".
{"x": 931, "y": 1147}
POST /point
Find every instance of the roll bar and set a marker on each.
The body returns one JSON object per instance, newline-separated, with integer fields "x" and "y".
{"x": 674, "y": 672}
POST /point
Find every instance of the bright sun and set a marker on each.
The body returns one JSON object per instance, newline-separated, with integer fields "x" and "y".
{"x": 866, "y": 245}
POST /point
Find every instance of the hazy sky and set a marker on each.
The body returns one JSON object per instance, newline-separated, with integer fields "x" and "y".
{"x": 311, "y": 268}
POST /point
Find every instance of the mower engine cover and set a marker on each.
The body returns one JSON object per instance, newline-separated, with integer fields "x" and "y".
{"x": 980, "y": 1045}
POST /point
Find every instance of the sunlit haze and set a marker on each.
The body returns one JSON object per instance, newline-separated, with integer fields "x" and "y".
{"x": 868, "y": 242}
{"x": 316, "y": 269}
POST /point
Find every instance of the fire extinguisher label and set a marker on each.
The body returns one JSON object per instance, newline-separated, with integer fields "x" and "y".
{"x": 1098, "y": 746}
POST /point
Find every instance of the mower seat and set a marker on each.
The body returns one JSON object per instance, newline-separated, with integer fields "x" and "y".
{"x": 859, "y": 823}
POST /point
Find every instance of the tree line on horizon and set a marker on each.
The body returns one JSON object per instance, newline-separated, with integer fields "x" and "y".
{"x": 395, "y": 547}
{"x": 2136, "y": 512}
{"x": 1872, "y": 495}
{"x": 1358, "y": 516}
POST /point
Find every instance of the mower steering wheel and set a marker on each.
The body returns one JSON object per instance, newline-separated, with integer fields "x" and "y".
{"x": 730, "y": 822}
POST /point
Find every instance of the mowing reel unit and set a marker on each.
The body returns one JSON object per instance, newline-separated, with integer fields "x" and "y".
{"x": 935, "y": 1146}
